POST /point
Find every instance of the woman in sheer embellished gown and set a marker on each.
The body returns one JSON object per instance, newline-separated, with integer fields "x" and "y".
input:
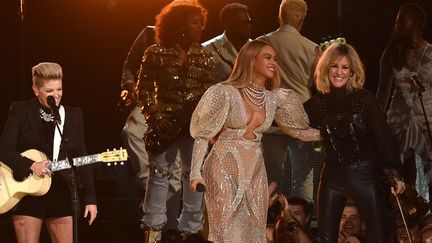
{"x": 407, "y": 55}
{"x": 232, "y": 116}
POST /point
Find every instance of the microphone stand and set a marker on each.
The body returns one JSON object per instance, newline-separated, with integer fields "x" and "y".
{"x": 420, "y": 95}
{"x": 74, "y": 194}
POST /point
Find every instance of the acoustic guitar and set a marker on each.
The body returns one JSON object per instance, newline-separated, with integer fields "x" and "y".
{"x": 12, "y": 191}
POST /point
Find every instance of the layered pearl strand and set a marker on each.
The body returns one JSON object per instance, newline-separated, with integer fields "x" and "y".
{"x": 48, "y": 117}
{"x": 255, "y": 96}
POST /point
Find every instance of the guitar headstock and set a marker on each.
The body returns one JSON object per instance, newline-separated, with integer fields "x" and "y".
{"x": 329, "y": 40}
{"x": 114, "y": 156}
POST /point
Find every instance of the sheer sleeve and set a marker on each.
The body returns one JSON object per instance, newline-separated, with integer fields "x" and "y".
{"x": 292, "y": 118}
{"x": 207, "y": 120}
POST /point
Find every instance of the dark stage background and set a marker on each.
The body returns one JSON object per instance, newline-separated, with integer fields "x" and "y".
{"x": 90, "y": 39}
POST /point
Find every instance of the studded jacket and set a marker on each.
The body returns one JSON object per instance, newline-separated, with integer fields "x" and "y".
{"x": 353, "y": 132}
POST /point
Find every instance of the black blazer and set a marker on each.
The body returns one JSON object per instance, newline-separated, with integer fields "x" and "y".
{"x": 23, "y": 130}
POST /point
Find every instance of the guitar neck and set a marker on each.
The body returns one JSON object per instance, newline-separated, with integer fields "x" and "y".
{"x": 86, "y": 160}
{"x": 79, "y": 161}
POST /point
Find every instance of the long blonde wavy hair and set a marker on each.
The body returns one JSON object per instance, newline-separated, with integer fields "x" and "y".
{"x": 242, "y": 73}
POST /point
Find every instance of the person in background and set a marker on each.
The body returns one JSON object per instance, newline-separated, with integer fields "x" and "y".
{"x": 31, "y": 125}
{"x": 174, "y": 74}
{"x": 406, "y": 65}
{"x": 296, "y": 58}
{"x": 273, "y": 210}
{"x": 358, "y": 145}
{"x": 418, "y": 231}
{"x": 135, "y": 127}
{"x": 237, "y": 24}
{"x": 401, "y": 235}
{"x": 131, "y": 67}
{"x": 293, "y": 224}
{"x": 426, "y": 234}
{"x": 234, "y": 114}
{"x": 351, "y": 227}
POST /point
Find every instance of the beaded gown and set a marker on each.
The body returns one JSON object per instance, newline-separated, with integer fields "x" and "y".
{"x": 236, "y": 182}
{"x": 405, "y": 115}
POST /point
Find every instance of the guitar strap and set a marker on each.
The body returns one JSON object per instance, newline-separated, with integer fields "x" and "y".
{"x": 57, "y": 137}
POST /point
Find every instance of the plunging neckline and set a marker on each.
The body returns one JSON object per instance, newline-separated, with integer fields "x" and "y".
{"x": 245, "y": 115}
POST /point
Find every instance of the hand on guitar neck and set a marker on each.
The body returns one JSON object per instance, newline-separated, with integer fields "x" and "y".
{"x": 41, "y": 168}
{"x": 39, "y": 182}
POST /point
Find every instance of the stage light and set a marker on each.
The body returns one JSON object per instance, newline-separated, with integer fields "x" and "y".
{"x": 22, "y": 10}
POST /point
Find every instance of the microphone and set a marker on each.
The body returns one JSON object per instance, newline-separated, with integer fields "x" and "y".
{"x": 414, "y": 78}
{"x": 55, "y": 109}
{"x": 200, "y": 187}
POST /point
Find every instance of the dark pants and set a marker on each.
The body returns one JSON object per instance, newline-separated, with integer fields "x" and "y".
{"x": 360, "y": 182}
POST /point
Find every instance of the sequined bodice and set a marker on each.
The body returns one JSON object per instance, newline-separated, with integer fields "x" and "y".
{"x": 234, "y": 171}
{"x": 236, "y": 123}
{"x": 222, "y": 112}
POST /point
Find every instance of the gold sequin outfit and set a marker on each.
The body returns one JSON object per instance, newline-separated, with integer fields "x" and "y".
{"x": 236, "y": 182}
{"x": 167, "y": 87}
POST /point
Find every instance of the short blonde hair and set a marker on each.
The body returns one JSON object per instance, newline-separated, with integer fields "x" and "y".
{"x": 44, "y": 71}
{"x": 242, "y": 73}
{"x": 329, "y": 56}
{"x": 292, "y": 11}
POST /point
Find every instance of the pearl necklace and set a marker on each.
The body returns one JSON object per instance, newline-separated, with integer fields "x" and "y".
{"x": 48, "y": 117}
{"x": 255, "y": 96}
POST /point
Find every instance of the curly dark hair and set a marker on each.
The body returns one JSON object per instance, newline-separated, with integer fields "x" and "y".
{"x": 174, "y": 15}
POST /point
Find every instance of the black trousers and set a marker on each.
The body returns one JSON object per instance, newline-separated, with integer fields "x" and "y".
{"x": 361, "y": 182}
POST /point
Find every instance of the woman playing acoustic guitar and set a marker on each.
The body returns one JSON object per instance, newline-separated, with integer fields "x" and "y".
{"x": 31, "y": 125}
